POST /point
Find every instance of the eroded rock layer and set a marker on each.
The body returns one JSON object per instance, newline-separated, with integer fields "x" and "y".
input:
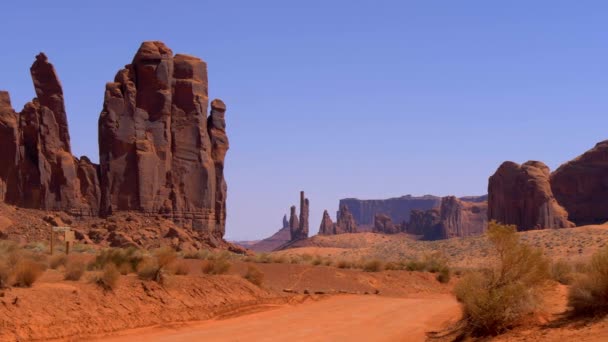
{"x": 160, "y": 153}
{"x": 581, "y": 186}
{"x": 159, "y": 150}
{"x": 521, "y": 195}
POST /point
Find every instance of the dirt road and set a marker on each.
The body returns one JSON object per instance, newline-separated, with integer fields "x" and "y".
{"x": 340, "y": 318}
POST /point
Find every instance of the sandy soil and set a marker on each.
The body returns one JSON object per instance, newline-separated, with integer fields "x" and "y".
{"x": 76, "y": 310}
{"x": 340, "y": 318}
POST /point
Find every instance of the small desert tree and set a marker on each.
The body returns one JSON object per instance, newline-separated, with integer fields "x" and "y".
{"x": 497, "y": 298}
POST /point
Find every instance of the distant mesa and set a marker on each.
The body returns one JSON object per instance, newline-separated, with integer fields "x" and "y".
{"x": 161, "y": 152}
{"x": 429, "y": 217}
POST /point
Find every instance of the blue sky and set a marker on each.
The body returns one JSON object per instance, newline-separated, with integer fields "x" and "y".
{"x": 368, "y": 99}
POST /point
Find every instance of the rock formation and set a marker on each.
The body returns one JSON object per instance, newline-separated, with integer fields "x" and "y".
{"x": 294, "y": 223}
{"x": 346, "y": 222}
{"x": 38, "y": 170}
{"x": 460, "y": 218}
{"x": 160, "y": 153}
{"x": 581, "y": 186}
{"x": 327, "y": 227}
{"x": 398, "y": 209}
{"x": 304, "y": 212}
{"x": 421, "y": 221}
{"x": 454, "y": 218}
{"x": 285, "y": 222}
{"x": 383, "y": 224}
{"x": 521, "y": 195}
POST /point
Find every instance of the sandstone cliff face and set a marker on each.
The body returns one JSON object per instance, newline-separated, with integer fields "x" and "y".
{"x": 460, "y": 218}
{"x": 423, "y": 221}
{"x": 38, "y": 170}
{"x": 9, "y": 140}
{"x": 521, "y": 195}
{"x": 581, "y": 186}
{"x": 384, "y": 225}
{"x": 159, "y": 151}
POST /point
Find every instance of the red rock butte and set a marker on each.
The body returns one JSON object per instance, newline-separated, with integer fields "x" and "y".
{"x": 160, "y": 151}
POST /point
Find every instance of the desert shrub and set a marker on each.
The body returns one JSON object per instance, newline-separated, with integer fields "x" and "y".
{"x": 306, "y": 257}
{"x": 165, "y": 256}
{"x": 373, "y": 266}
{"x": 588, "y": 294}
{"x": 561, "y": 271}
{"x": 415, "y": 265}
{"x": 444, "y": 275}
{"x": 279, "y": 259}
{"x": 108, "y": 278}
{"x": 26, "y": 271}
{"x": 254, "y": 275}
{"x": 497, "y": 298}
{"x": 263, "y": 258}
{"x": 218, "y": 266}
{"x": 392, "y": 266}
{"x": 434, "y": 262}
{"x": 344, "y": 264}
{"x": 201, "y": 254}
{"x": 294, "y": 259}
{"x": 126, "y": 260}
{"x": 181, "y": 268}
{"x": 57, "y": 260}
{"x": 149, "y": 270}
{"x": 327, "y": 262}
{"x": 317, "y": 261}
{"x": 5, "y": 275}
{"x": 74, "y": 269}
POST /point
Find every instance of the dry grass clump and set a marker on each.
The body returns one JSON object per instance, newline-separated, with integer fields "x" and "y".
{"x": 126, "y": 260}
{"x": 217, "y": 266}
{"x": 562, "y": 272}
{"x": 254, "y": 275}
{"x": 588, "y": 295}
{"x": 74, "y": 269}
{"x": 26, "y": 272}
{"x": 156, "y": 268}
{"x": 344, "y": 264}
{"x": 18, "y": 267}
{"x": 180, "y": 267}
{"x": 498, "y": 298}
{"x": 57, "y": 260}
{"x": 108, "y": 278}
{"x": 373, "y": 266}
{"x": 444, "y": 275}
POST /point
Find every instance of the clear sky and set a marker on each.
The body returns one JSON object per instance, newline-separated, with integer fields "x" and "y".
{"x": 367, "y": 99}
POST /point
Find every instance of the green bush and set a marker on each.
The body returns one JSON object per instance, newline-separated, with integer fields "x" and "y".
{"x": 497, "y": 298}
{"x": 126, "y": 260}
